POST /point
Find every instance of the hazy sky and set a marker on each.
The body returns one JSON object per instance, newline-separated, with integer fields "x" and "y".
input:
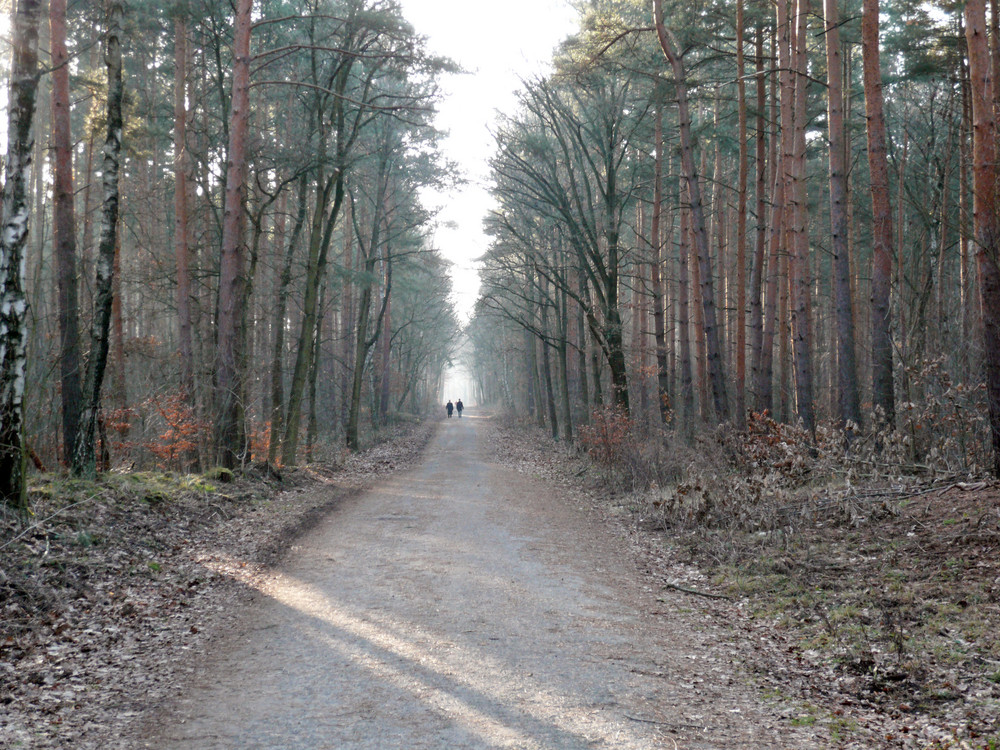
{"x": 497, "y": 42}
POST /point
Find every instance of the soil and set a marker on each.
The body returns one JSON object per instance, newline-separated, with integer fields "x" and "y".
{"x": 464, "y": 604}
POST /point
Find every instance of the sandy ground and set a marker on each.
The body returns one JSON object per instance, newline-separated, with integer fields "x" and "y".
{"x": 461, "y": 604}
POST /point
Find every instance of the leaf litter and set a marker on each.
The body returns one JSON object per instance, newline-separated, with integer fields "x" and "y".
{"x": 112, "y": 588}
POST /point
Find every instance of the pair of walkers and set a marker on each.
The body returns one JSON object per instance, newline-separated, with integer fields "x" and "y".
{"x": 454, "y": 407}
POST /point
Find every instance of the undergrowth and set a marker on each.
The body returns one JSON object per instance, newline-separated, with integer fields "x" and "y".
{"x": 874, "y": 551}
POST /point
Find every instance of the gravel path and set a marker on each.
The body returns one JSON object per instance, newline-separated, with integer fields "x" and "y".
{"x": 463, "y": 605}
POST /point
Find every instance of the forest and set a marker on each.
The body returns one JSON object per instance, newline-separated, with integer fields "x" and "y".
{"x": 740, "y": 296}
{"x": 754, "y": 214}
{"x": 228, "y": 260}
{"x": 744, "y": 214}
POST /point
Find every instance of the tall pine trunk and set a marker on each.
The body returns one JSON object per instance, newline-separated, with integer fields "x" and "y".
{"x": 656, "y": 282}
{"x": 741, "y": 226}
{"x": 228, "y": 383}
{"x": 986, "y": 223}
{"x": 882, "y": 377}
{"x": 182, "y": 254}
{"x": 714, "y": 350}
{"x": 802, "y": 276}
{"x": 847, "y": 377}
{"x": 760, "y": 246}
{"x": 64, "y": 228}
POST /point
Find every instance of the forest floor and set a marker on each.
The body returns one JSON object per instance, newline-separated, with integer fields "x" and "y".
{"x": 111, "y": 584}
{"x": 872, "y": 626}
{"x": 877, "y": 616}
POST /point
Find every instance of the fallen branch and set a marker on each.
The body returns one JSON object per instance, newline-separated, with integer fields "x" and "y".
{"x": 696, "y": 593}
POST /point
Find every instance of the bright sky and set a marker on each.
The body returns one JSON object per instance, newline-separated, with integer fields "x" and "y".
{"x": 498, "y": 43}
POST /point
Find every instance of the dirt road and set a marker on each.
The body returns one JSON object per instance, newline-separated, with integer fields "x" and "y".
{"x": 463, "y": 605}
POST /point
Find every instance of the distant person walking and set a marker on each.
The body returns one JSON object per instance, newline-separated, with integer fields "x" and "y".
{"x": 459, "y": 407}
{"x": 450, "y": 407}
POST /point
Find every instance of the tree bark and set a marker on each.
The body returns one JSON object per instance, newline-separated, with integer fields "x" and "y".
{"x": 986, "y": 223}
{"x": 64, "y": 228}
{"x": 656, "y": 282}
{"x": 228, "y": 385}
{"x": 802, "y": 277}
{"x": 684, "y": 322}
{"x": 363, "y": 343}
{"x": 385, "y": 362}
{"x": 84, "y": 456}
{"x": 581, "y": 347}
{"x": 882, "y": 376}
{"x": 714, "y": 351}
{"x": 847, "y": 378}
{"x": 741, "y": 226}
{"x": 757, "y": 269}
{"x": 182, "y": 254}
{"x": 280, "y": 313}
{"x": 320, "y": 235}
{"x": 14, "y": 217}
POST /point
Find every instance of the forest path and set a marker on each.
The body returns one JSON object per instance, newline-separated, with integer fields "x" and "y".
{"x": 461, "y": 604}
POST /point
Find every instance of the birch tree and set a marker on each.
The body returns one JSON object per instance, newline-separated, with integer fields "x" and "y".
{"x": 84, "y": 453}
{"x": 14, "y": 221}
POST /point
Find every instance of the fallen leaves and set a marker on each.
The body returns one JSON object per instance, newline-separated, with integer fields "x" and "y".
{"x": 103, "y": 600}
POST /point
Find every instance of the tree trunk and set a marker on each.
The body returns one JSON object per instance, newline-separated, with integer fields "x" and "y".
{"x": 550, "y": 396}
{"x": 119, "y": 385}
{"x": 531, "y": 368}
{"x": 741, "y": 227}
{"x": 228, "y": 387}
{"x": 385, "y": 362}
{"x": 182, "y": 254}
{"x": 684, "y": 323}
{"x": 847, "y": 376}
{"x": 640, "y": 327}
{"x": 985, "y": 221}
{"x": 697, "y": 322}
{"x": 312, "y": 424}
{"x": 84, "y": 458}
{"x": 15, "y": 215}
{"x": 64, "y": 228}
{"x": 347, "y": 314}
{"x": 802, "y": 277}
{"x": 319, "y": 239}
{"x": 757, "y": 269}
{"x": 562, "y": 351}
{"x": 656, "y": 282}
{"x": 581, "y": 348}
{"x": 280, "y": 313}
{"x": 882, "y": 377}
{"x": 714, "y": 351}
{"x": 362, "y": 342}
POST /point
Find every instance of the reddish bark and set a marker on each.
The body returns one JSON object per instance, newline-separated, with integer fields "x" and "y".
{"x": 986, "y": 223}
{"x": 882, "y": 376}
{"x": 847, "y": 385}
{"x": 741, "y": 226}
{"x": 714, "y": 350}
{"x": 182, "y": 253}
{"x": 684, "y": 320}
{"x": 228, "y": 388}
